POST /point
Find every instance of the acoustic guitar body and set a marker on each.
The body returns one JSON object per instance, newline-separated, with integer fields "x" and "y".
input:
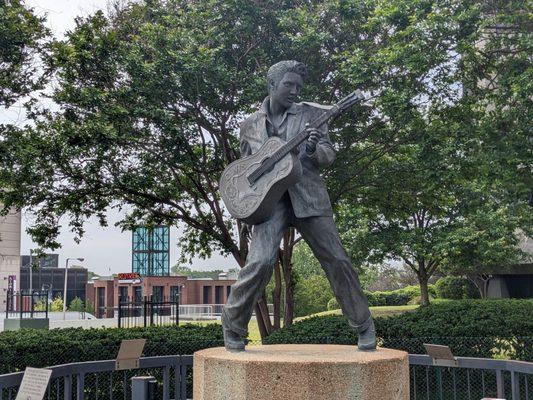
{"x": 254, "y": 203}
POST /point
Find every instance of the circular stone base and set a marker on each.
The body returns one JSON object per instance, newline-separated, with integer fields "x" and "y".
{"x": 301, "y": 372}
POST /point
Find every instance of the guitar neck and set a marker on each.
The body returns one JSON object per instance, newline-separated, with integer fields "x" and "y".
{"x": 303, "y": 135}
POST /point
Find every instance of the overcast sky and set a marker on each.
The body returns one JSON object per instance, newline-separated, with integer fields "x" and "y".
{"x": 108, "y": 249}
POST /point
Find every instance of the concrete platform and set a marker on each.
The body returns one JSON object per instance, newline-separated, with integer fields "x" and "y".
{"x": 301, "y": 372}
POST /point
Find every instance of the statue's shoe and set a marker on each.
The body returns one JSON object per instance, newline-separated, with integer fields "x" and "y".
{"x": 367, "y": 338}
{"x": 233, "y": 342}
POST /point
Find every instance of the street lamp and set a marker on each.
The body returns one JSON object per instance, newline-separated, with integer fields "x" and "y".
{"x": 65, "y": 289}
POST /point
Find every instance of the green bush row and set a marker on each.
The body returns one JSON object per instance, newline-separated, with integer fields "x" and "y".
{"x": 474, "y": 328}
{"x": 399, "y": 297}
{"x": 41, "y": 348}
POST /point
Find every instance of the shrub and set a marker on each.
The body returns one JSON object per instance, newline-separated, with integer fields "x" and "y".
{"x": 57, "y": 304}
{"x": 456, "y": 288}
{"x": 399, "y": 297}
{"x": 41, "y": 348}
{"x": 76, "y": 305}
{"x": 333, "y": 304}
{"x": 475, "y": 328}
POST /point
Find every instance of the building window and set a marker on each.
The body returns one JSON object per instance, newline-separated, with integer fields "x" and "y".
{"x": 206, "y": 298}
{"x": 122, "y": 293}
{"x": 228, "y": 291}
{"x": 219, "y": 293}
{"x": 100, "y": 311}
{"x": 157, "y": 293}
{"x": 138, "y": 294}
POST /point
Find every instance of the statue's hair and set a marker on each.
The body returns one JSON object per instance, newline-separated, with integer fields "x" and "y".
{"x": 277, "y": 71}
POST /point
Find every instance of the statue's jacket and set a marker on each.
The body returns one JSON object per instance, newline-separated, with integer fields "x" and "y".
{"x": 309, "y": 196}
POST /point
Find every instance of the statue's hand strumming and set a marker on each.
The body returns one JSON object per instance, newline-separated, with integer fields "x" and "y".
{"x": 312, "y": 140}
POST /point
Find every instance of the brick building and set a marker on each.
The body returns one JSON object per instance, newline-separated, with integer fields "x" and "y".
{"x": 104, "y": 293}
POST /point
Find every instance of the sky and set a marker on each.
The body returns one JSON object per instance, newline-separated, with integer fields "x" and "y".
{"x": 105, "y": 250}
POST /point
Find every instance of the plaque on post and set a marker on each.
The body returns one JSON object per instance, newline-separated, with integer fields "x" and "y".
{"x": 129, "y": 353}
{"x": 34, "y": 384}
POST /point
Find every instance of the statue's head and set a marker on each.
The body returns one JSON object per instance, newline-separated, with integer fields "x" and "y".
{"x": 285, "y": 79}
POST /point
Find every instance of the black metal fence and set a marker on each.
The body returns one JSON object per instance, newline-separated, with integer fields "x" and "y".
{"x": 468, "y": 379}
{"x": 148, "y": 311}
{"x": 100, "y": 380}
{"x": 27, "y": 304}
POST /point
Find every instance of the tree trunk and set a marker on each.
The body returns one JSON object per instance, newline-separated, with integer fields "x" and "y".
{"x": 423, "y": 280}
{"x": 288, "y": 246}
{"x": 260, "y": 321}
{"x": 276, "y": 296}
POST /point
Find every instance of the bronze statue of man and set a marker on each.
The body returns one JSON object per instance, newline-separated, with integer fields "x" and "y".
{"x": 305, "y": 205}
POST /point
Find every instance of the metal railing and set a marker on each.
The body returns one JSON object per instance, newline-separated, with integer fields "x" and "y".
{"x": 465, "y": 378}
{"x": 148, "y": 311}
{"x": 98, "y": 379}
{"x": 27, "y": 304}
{"x": 469, "y": 378}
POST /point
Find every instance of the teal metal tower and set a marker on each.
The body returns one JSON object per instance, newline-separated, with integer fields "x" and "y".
{"x": 150, "y": 251}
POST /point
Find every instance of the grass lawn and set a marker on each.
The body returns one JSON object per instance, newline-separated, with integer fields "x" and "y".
{"x": 253, "y": 330}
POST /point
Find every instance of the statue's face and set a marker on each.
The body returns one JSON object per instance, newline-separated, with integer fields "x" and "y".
{"x": 287, "y": 90}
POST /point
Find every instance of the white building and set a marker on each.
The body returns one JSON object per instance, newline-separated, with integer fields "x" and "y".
{"x": 10, "y": 227}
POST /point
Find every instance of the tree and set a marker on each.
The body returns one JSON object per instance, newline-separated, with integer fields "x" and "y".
{"x": 149, "y": 99}
{"x": 76, "y": 305}
{"x": 456, "y": 197}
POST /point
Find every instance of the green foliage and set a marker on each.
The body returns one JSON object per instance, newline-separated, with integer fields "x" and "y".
{"x": 76, "y": 305}
{"x": 22, "y": 38}
{"x": 186, "y": 271}
{"x": 57, "y": 304}
{"x": 42, "y": 348}
{"x": 40, "y": 305}
{"x": 476, "y": 328}
{"x": 89, "y": 307}
{"x": 333, "y": 304}
{"x": 456, "y": 288}
{"x": 399, "y": 297}
{"x": 312, "y": 295}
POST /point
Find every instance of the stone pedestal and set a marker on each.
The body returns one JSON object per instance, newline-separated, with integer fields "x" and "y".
{"x": 301, "y": 372}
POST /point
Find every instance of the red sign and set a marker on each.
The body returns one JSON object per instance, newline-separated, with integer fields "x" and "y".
{"x": 129, "y": 275}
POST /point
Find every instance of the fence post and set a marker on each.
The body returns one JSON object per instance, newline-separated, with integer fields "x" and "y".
{"x": 46, "y": 307}
{"x": 31, "y": 303}
{"x": 9, "y": 294}
{"x": 119, "y": 311}
{"x": 21, "y": 301}
{"x": 145, "y": 309}
{"x": 178, "y": 309}
{"x": 151, "y": 310}
{"x": 500, "y": 389}
{"x": 515, "y": 388}
{"x": 143, "y": 388}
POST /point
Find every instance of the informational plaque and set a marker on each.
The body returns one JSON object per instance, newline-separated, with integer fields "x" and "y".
{"x": 34, "y": 384}
{"x": 442, "y": 355}
{"x": 129, "y": 353}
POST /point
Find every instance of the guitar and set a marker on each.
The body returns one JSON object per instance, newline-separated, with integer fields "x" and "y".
{"x": 251, "y": 186}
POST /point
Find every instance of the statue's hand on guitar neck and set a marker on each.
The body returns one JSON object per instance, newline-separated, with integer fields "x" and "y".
{"x": 314, "y": 136}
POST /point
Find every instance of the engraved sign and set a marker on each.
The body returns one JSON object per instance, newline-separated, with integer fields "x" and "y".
{"x": 129, "y": 353}
{"x": 34, "y": 384}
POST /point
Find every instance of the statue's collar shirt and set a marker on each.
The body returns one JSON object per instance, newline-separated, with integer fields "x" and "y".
{"x": 272, "y": 129}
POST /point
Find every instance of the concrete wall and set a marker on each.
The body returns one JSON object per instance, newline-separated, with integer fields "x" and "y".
{"x": 10, "y": 227}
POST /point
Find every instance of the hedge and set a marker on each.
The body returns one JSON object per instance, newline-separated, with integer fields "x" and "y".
{"x": 456, "y": 288}
{"x": 474, "y": 328}
{"x": 399, "y": 297}
{"x": 41, "y": 348}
